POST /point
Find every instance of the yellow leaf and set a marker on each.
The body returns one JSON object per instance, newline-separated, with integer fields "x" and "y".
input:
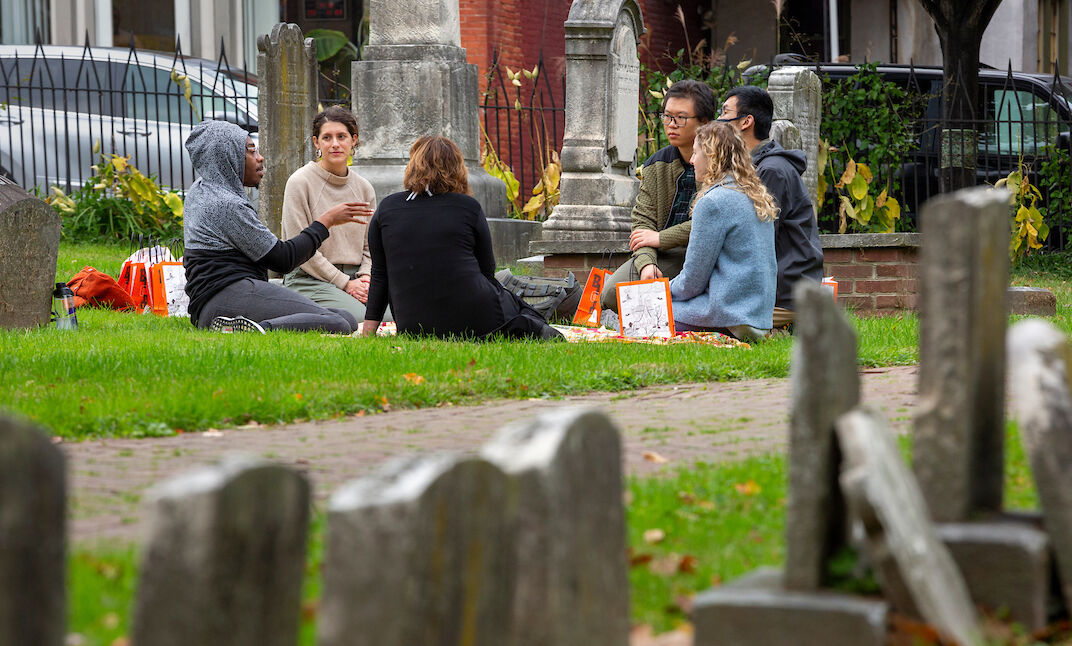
{"x": 516, "y": 82}
{"x": 657, "y": 95}
{"x": 865, "y": 171}
{"x": 749, "y": 488}
{"x": 820, "y": 192}
{"x": 849, "y": 174}
{"x": 534, "y": 204}
{"x": 893, "y": 208}
{"x": 517, "y": 104}
{"x": 652, "y": 456}
{"x": 119, "y": 163}
{"x": 96, "y": 146}
{"x": 858, "y": 187}
{"x": 743, "y": 65}
{"x": 413, "y": 378}
{"x": 174, "y": 202}
{"x": 824, "y": 155}
{"x": 881, "y": 201}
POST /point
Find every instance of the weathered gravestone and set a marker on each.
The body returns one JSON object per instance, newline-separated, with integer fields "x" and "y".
{"x": 825, "y": 385}
{"x": 29, "y": 245}
{"x": 413, "y": 81}
{"x": 960, "y": 430}
{"x": 797, "y": 94}
{"x": 286, "y": 72}
{"x": 33, "y": 563}
{"x": 1039, "y": 360}
{"x": 916, "y": 571}
{"x": 225, "y": 558}
{"x": 771, "y": 607}
{"x": 572, "y": 587}
{"x": 422, "y": 552}
{"x": 757, "y": 609}
{"x": 599, "y": 184}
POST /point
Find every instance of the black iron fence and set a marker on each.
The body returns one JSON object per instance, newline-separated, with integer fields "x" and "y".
{"x": 522, "y": 120}
{"x": 62, "y": 108}
{"x": 1018, "y": 121}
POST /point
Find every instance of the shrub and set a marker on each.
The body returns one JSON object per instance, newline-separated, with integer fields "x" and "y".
{"x": 116, "y": 203}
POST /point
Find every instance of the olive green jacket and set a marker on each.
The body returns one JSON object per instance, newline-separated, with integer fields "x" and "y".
{"x": 658, "y": 185}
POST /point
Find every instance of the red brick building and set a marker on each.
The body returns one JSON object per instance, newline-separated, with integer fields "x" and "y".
{"x": 519, "y": 32}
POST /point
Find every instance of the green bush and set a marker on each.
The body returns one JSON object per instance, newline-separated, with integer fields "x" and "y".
{"x": 1055, "y": 182}
{"x": 118, "y": 202}
{"x": 869, "y": 122}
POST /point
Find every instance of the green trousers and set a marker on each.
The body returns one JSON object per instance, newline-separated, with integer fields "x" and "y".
{"x": 328, "y": 295}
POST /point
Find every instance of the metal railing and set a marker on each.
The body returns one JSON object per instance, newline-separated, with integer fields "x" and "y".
{"x": 522, "y": 121}
{"x": 1017, "y": 120}
{"x": 62, "y": 108}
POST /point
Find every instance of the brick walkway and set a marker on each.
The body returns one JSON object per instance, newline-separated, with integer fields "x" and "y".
{"x": 706, "y": 421}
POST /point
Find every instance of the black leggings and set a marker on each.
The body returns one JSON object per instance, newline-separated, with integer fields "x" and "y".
{"x": 275, "y": 308}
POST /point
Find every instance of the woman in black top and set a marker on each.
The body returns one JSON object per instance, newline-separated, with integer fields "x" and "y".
{"x": 432, "y": 259}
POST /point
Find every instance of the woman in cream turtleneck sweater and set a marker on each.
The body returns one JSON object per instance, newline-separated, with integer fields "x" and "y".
{"x": 338, "y": 274}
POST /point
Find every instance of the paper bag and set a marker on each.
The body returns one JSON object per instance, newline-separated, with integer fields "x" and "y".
{"x": 644, "y": 308}
{"x": 588, "y": 309}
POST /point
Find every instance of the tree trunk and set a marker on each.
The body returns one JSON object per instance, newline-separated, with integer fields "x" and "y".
{"x": 960, "y": 25}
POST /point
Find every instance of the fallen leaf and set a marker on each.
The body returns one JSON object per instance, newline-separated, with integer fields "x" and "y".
{"x": 654, "y": 536}
{"x": 298, "y": 396}
{"x": 706, "y": 504}
{"x": 56, "y": 439}
{"x": 652, "y": 456}
{"x": 309, "y": 609}
{"x": 384, "y": 404}
{"x": 636, "y": 559}
{"x": 110, "y": 621}
{"x": 414, "y": 378}
{"x": 686, "y": 497}
{"x": 665, "y": 565}
{"x": 687, "y": 565}
{"x": 212, "y": 432}
{"x": 360, "y": 413}
{"x": 749, "y": 488}
{"x": 121, "y": 641}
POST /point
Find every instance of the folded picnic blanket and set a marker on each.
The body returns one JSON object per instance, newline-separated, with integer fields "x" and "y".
{"x": 97, "y": 289}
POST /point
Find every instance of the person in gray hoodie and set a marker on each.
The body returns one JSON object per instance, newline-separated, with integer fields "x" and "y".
{"x": 796, "y": 233}
{"x": 229, "y": 251}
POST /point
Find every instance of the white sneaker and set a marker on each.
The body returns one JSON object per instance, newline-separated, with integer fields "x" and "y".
{"x": 228, "y": 325}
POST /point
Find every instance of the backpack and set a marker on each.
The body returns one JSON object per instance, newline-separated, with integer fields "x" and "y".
{"x": 553, "y": 298}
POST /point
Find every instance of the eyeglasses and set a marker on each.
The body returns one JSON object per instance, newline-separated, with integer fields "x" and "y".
{"x": 252, "y": 149}
{"x": 728, "y": 119}
{"x": 679, "y": 120}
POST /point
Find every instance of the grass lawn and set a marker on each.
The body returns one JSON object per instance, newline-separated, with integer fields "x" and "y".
{"x": 125, "y": 374}
{"x": 136, "y": 375}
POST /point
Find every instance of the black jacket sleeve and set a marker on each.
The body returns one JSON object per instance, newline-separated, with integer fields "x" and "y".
{"x": 485, "y": 254}
{"x": 377, "y": 296}
{"x": 288, "y": 254}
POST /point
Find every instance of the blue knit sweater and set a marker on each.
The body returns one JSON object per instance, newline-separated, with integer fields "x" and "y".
{"x": 731, "y": 272}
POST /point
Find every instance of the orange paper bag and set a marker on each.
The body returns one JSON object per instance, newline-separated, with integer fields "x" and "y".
{"x": 167, "y": 289}
{"x": 588, "y": 309}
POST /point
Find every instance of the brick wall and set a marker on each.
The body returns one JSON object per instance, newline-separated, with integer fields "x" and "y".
{"x": 521, "y": 31}
{"x": 874, "y": 277}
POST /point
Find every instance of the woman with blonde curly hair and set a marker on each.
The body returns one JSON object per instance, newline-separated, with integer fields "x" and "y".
{"x": 730, "y": 273}
{"x": 432, "y": 259}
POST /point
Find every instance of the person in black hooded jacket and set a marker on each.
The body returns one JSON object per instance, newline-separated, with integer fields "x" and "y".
{"x": 796, "y": 232}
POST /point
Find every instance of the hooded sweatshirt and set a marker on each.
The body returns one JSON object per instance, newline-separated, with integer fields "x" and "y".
{"x": 796, "y": 233}
{"x": 224, "y": 239}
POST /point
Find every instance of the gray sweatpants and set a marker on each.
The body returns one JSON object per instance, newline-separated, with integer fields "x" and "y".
{"x": 669, "y": 262}
{"x": 275, "y": 308}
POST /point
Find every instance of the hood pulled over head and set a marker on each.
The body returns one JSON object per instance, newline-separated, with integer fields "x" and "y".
{"x": 218, "y": 152}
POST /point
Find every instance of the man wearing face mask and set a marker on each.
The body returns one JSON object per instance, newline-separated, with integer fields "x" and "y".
{"x": 796, "y": 234}
{"x": 661, "y": 223}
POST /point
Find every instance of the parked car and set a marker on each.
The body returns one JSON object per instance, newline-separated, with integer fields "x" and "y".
{"x": 61, "y": 107}
{"x": 1021, "y": 115}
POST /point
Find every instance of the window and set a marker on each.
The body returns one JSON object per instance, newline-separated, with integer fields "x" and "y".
{"x": 1023, "y": 123}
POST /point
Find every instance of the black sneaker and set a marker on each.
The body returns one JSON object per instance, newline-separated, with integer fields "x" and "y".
{"x": 228, "y": 325}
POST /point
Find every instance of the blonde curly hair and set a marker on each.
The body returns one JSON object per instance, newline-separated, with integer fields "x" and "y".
{"x": 726, "y": 155}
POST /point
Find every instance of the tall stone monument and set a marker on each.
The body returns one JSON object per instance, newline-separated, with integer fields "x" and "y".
{"x": 599, "y": 184}
{"x": 286, "y": 69}
{"x": 414, "y": 81}
{"x": 797, "y": 94}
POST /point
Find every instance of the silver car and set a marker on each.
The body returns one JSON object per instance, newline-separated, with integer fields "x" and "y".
{"x": 62, "y": 107}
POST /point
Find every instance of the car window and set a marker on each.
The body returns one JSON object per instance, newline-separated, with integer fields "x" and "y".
{"x": 70, "y": 84}
{"x": 1023, "y": 122}
{"x": 152, "y": 95}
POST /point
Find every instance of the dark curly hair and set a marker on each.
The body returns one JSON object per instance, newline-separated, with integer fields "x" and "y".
{"x": 336, "y": 114}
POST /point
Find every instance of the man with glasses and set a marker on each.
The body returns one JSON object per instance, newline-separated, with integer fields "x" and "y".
{"x": 661, "y": 223}
{"x": 796, "y": 234}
